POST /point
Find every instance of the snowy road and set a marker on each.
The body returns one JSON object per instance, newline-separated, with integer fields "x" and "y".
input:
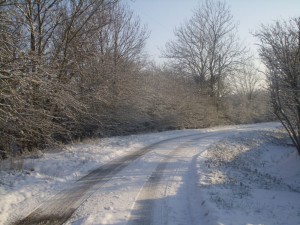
{"x": 242, "y": 175}
{"x": 170, "y": 185}
{"x": 171, "y": 160}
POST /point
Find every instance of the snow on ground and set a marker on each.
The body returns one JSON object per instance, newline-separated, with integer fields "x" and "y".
{"x": 28, "y": 181}
{"x": 251, "y": 178}
{"x": 247, "y": 175}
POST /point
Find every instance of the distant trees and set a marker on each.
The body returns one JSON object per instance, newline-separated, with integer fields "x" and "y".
{"x": 249, "y": 100}
{"x": 207, "y": 52}
{"x": 172, "y": 101}
{"x": 279, "y": 48}
{"x": 207, "y": 48}
{"x": 247, "y": 81}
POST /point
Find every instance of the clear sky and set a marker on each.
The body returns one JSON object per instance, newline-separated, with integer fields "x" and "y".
{"x": 162, "y": 16}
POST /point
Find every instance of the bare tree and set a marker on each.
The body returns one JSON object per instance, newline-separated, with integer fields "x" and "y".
{"x": 247, "y": 81}
{"x": 40, "y": 19}
{"x": 279, "y": 48}
{"x": 207, "y": 48}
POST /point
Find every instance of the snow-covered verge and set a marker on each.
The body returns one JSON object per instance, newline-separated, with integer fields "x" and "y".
{"x": 252, "y": 177}
{"x": 28, "y": 181}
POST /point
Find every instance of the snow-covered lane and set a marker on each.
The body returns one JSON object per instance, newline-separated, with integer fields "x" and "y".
{"x": 172, "y": 177}
{"x": 27, "y": 182}
{"x": 59, "y": 208}
{"x": 157, "y": 188}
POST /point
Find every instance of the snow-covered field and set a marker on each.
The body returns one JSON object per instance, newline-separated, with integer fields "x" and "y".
{"x": 251, "y": 178}
{"x": 243, "y": 175}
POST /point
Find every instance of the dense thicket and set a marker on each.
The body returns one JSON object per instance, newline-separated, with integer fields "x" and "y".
{"x": 60, "y": 67}
{"x": 75, "y": 68}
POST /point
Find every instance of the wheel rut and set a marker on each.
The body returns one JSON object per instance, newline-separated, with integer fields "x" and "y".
{"x": 150, "y": 206}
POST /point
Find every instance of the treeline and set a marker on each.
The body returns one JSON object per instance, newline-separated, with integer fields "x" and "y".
{"x": 71, "y": 69}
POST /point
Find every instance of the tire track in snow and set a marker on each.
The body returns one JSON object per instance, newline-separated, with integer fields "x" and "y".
{"x": 151, "y": 206}
{"x": 59, "y": 208}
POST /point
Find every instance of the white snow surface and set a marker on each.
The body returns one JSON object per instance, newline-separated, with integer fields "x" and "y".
{"x": 246, "y": 174}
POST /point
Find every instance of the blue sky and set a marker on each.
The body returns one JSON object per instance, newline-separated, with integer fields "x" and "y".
{"x": 162, "y": 16}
